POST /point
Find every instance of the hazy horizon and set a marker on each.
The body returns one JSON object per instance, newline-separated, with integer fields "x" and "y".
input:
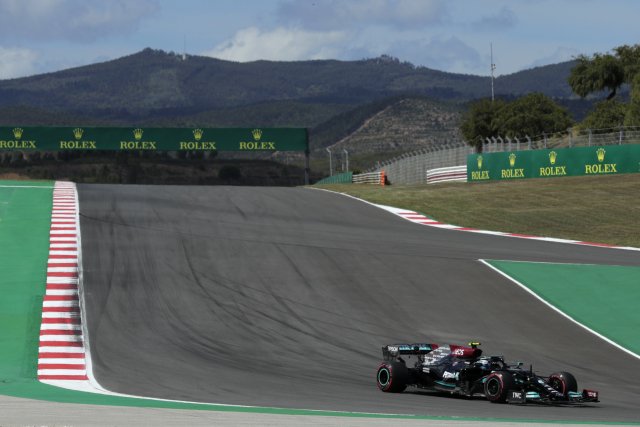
{"x": 40, "y": 36}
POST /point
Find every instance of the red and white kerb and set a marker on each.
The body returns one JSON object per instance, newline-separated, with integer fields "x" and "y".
{"x": 62, "y": 352}
{"x": 418, "y": 218}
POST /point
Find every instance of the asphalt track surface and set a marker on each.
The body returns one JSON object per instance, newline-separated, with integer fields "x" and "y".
{"x": 283, "y": 297}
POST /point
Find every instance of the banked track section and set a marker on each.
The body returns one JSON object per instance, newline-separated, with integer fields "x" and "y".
{"x": 283, "y": 298}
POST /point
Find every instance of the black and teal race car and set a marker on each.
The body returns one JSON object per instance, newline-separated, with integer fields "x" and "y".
{"x": 464, "y": 371}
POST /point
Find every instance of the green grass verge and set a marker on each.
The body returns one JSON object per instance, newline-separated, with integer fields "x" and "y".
{"x": 602, "y": 297}
{"x": 603, "y": 209}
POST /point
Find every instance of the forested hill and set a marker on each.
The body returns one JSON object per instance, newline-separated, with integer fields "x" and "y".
{"x": 156, "y": 83}
{"x": 376, "y": 108}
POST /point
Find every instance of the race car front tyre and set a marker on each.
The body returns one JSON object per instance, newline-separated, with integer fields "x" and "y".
{"x": 563, "y": 382}
{"x": 392, "y": 377}
{"x": 497, "y": 386}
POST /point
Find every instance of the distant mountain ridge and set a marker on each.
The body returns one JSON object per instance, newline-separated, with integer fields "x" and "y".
{"x": 373, "y": 107}
{"x": 154, "y": 82}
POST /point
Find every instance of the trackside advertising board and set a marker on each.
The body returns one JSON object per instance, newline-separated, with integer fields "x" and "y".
{"x": 597, "y": 160}
{"x": 152, "y": 139}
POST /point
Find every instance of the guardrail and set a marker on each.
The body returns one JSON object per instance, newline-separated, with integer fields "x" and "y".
{"x": 370, "y": 178}
{"x": 449, "y": 174}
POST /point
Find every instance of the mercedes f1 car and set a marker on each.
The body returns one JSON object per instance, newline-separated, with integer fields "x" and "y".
{"x": 463, "y": 371}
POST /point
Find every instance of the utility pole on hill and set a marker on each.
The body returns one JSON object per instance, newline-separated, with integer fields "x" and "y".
{"x": 493, "y": 67}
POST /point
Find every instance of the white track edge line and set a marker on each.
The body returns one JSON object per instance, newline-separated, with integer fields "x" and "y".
{"x": 556, "y": 309}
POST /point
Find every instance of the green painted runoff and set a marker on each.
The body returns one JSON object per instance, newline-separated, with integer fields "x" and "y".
{"x": 24, "y": 227}
{"x": 601, "y": 297}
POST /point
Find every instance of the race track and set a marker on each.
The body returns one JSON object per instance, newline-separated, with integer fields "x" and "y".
{"x": 283, "y": 297}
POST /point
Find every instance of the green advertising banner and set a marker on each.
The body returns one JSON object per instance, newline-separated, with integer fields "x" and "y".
{"x": 153, "y": 139}
{"x": 605, "y": 160}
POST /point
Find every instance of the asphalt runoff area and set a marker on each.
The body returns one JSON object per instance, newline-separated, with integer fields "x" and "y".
{"x": 282, "y": 297}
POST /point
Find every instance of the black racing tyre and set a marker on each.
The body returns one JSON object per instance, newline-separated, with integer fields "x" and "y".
{"x": 497, "y": 385}
{"x": 392, "y": 377}
{"x": 564, "y": 382}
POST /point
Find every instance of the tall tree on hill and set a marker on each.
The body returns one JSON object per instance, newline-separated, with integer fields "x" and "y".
{"x": 632, "y": 116}
{"x": 609, "y": 72}
{"x": 629, "y": 58}
{"x": 596, "y": 74}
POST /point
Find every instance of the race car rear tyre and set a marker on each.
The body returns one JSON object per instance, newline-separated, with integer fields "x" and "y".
{"x": 497, "y": 385}
{"x": 392, "y": 377}
{"x": 564, "y": 382}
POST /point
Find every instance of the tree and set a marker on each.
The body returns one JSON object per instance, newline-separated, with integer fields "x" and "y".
{"x": 479, "y": 122}
{"x": 632, "y": 116}
{"x": 609, "y": 72}
{"x": 605, "y": 71}
{"x": 601, "y": 72}
{"x": 606, "y": 115}
{"x": 531, "y": 115}
{"x": 629, "y": 57}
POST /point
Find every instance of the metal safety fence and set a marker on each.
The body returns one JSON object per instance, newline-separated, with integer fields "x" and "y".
{"x": 412, "y": 168}
{"x": 574, "y": 137}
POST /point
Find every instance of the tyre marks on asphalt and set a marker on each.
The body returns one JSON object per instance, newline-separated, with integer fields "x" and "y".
{"x": 224, "y": 309}
{"x": 61, "y": 356}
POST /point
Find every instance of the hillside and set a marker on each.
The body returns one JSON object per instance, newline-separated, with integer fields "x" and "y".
{"x": 155, "y": 83}
{"x": 549, "y": 79}
{"x": 405, "y": 125}
{"x": 375, "y": 108}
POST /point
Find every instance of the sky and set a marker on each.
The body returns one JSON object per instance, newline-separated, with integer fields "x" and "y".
{"x": 39, "y": 36}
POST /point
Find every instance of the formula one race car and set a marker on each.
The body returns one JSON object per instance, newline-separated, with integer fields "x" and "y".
{"x": 464, "y": 371}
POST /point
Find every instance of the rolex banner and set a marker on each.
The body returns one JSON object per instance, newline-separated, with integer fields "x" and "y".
{"x": 597, "y": 160}
{"x": 153, "y": 139}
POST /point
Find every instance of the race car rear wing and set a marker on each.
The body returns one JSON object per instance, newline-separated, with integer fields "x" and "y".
{"x": 391, "y": 351}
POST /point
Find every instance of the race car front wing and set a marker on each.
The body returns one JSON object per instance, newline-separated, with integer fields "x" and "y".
{"x": 572, "y": 398}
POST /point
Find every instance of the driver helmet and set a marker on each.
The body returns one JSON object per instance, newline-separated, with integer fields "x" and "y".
{"x": 483, "y": 363}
